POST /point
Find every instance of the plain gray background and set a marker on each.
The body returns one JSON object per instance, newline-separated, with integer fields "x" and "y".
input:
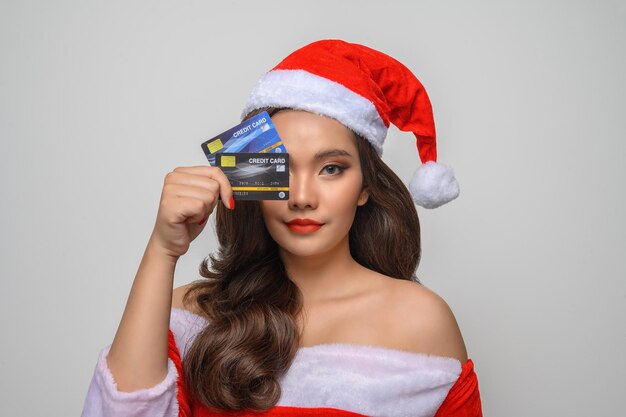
{"x": 99, "y": 100}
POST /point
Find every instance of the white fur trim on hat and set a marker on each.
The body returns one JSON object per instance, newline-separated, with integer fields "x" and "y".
{"x": 302, "y": 90}
{"x": 433, "y": 184}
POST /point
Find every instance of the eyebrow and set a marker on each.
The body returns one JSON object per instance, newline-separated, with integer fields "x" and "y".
{"x": 331, "y": 152}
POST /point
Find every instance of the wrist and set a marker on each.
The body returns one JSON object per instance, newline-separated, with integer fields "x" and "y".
{"x": 156, "y": 251}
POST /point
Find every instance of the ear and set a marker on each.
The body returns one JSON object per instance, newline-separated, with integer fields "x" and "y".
{"x": 363, "y": 197}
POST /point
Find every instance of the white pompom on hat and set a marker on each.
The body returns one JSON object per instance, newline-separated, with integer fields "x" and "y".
{"x": 365, "y": 90}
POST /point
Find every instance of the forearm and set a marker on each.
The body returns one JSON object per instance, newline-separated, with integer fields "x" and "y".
{"x": 138, "y": 354}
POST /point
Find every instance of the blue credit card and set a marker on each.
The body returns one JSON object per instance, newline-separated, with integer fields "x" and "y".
{"x": 254, "y": 135}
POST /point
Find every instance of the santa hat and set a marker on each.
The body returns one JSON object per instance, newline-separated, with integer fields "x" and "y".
{"x": 365, "y": 90}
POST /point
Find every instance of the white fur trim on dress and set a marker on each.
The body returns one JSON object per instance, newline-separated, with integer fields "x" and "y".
{"x": 105, "y": 400}
{"x": 302, "y": 90}
{"x": 370, "y": 380}
{"x": 433, "y": 184}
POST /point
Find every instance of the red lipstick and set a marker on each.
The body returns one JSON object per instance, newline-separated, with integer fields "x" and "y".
{"x": 304, "y": 226}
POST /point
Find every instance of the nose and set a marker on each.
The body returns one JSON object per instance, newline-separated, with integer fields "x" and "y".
{"x": 302, "y": 192}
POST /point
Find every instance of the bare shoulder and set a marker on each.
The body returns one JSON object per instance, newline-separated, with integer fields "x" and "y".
{"x": 425, "y": 322}
{"x": 177, "y": 299}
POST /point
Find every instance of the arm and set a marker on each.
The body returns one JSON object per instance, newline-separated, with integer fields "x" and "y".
{"x": 138, "y": 354}
{"x": 136, "y": 376}
{"x": 141, "y": 380}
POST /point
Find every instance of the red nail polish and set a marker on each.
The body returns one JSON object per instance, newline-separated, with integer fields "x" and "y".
{"x": 202, "y": 221}
{"x": 232, "y": 202}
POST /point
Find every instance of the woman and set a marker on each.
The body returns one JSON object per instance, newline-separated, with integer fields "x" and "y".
{"x": 311, "y": 306}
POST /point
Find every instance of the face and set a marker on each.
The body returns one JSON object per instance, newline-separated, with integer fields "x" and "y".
{"x": 325, "y": 184}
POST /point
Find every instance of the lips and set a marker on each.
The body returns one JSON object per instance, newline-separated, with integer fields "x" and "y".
{"x": 304, "y": 226}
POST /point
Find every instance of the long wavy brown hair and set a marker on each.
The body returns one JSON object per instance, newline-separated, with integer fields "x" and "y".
{"x": 252, "y": 305}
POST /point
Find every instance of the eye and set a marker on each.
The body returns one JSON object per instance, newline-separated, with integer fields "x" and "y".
{"x": 333, "y": 169}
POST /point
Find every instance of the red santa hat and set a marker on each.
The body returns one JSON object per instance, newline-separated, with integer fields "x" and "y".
{"x": 365, "y": 90}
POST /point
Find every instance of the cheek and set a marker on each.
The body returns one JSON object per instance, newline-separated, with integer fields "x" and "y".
{"x": 270, "y": 208}
{"x": 347, "y": 193}
{"x": 272, "y": 211}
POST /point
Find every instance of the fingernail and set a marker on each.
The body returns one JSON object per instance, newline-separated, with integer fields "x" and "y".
{"x": 202, "y": 221}
{"x": 232, "y": 202}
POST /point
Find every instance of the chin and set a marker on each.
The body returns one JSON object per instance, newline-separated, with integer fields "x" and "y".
{"x": 302, "y": 250}
{"x": 308, "y": 248}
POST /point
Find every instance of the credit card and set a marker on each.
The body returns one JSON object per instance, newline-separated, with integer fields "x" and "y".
{"x": 254, "y": 135}
{"x": 256, "y": 176}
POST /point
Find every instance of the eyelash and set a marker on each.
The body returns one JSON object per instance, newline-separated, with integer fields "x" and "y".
{"x": 341, "y": 169}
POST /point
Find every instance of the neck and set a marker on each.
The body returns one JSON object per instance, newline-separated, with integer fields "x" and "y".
{"x": 325, "y": 276}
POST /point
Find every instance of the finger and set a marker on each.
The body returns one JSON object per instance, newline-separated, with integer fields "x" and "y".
{"x": 226, "y": 192}
{"x": 188, "y": 193}
{"x": 183, "y": 178}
